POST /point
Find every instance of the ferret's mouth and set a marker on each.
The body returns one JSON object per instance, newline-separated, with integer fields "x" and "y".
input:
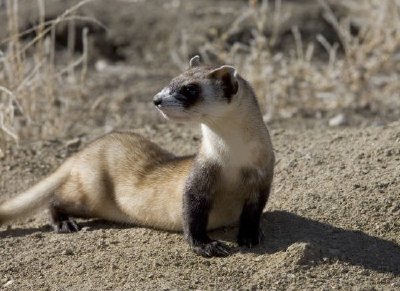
{"x": 172, "y": 113}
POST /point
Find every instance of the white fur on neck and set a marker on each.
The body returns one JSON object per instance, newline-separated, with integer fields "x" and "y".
{"x": 238, "y": 140}
{"x": 228, "y": 146}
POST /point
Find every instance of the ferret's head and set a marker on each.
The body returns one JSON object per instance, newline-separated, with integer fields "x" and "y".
{"x": 199, "y": 94}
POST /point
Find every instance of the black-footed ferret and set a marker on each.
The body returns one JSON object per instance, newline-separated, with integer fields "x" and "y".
{"x": 124, "y": 177}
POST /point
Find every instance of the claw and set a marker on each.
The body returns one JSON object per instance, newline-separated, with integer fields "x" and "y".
{"x": 66, "y": 226}
{"x": 212, "y": 249}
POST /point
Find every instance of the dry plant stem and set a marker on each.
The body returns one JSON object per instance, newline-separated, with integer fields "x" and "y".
{"x": 84, "y": 55}
{"x": 40, "y": 28}
{"x": 14, "y": 45}
{"x": 71, "y": 47}
{"x": 299, "y": 43}
{"x": 30, "y": 86}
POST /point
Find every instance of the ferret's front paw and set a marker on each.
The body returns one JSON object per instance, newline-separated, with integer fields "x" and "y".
{"x": 248, "y": 239}
{"x": 211, "y": 249}
{"x": 66, "y": 226}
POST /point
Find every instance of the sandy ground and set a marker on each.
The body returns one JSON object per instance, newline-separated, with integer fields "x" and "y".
{"x": 332, "y": 221}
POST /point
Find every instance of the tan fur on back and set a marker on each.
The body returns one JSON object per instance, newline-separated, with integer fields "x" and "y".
{"x": 124, "y": 177}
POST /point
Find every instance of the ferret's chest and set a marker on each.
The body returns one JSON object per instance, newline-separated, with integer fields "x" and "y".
{"x": 239, "y": 181}
{"x": 235, "y": 185}
{"x": 233, "y": 189}
{"x": 230, "y": 178}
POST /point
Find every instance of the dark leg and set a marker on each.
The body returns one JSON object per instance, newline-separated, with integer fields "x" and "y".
{"x": 196, "y": 211}
{"x": 249, "y": 228}
{"x": 197, "y": 201}
{"x": 61, "y": 222}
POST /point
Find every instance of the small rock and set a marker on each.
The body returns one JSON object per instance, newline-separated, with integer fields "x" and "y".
{"x": 114, "y": 267}
{"x": 68, "y": 252}
{"x": 338, "y": 120}
{"x": 38, "y": 235}
{"x": 8, "y": 283}
{"x": 364, "y": 272}
{"x": 101, "y": 65}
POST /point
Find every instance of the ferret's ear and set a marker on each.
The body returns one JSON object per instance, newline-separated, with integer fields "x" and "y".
{"x": 194, "y": 62}
{"x": 228, "y": 76}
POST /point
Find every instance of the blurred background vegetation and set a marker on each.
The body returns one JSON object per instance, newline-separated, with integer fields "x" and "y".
{"x": 72, "y": 67}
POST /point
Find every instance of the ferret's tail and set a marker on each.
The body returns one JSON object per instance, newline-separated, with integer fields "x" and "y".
{"x": 35, "y": 197}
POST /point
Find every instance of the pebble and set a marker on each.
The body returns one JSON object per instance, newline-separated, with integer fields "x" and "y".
{"x": 338, "y": 120}
{"x": 68, "y": 252}
{"x": 38, "y": 235}
{"x": 101, "y": 65}
{"x": 8, "y": 283}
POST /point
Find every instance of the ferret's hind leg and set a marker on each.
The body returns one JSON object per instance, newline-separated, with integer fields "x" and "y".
{"x": 61, "y": 221}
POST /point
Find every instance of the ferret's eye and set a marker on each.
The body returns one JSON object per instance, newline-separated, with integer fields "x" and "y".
{"x": 190, "y": 90}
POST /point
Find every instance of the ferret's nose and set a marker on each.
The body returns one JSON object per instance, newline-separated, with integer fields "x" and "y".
{"x": 157, "y": 100}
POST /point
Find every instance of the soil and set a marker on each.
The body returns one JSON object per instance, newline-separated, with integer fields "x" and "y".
{"x": 332, "y": 221}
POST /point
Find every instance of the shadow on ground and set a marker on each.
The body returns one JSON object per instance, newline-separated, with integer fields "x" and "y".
{"x": 282, "y": 229}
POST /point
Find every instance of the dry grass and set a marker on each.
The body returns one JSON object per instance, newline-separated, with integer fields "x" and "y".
{"x": 32, "y": 82}
{"x": 36, "y": 87}
{"x": 365, "y": 73}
